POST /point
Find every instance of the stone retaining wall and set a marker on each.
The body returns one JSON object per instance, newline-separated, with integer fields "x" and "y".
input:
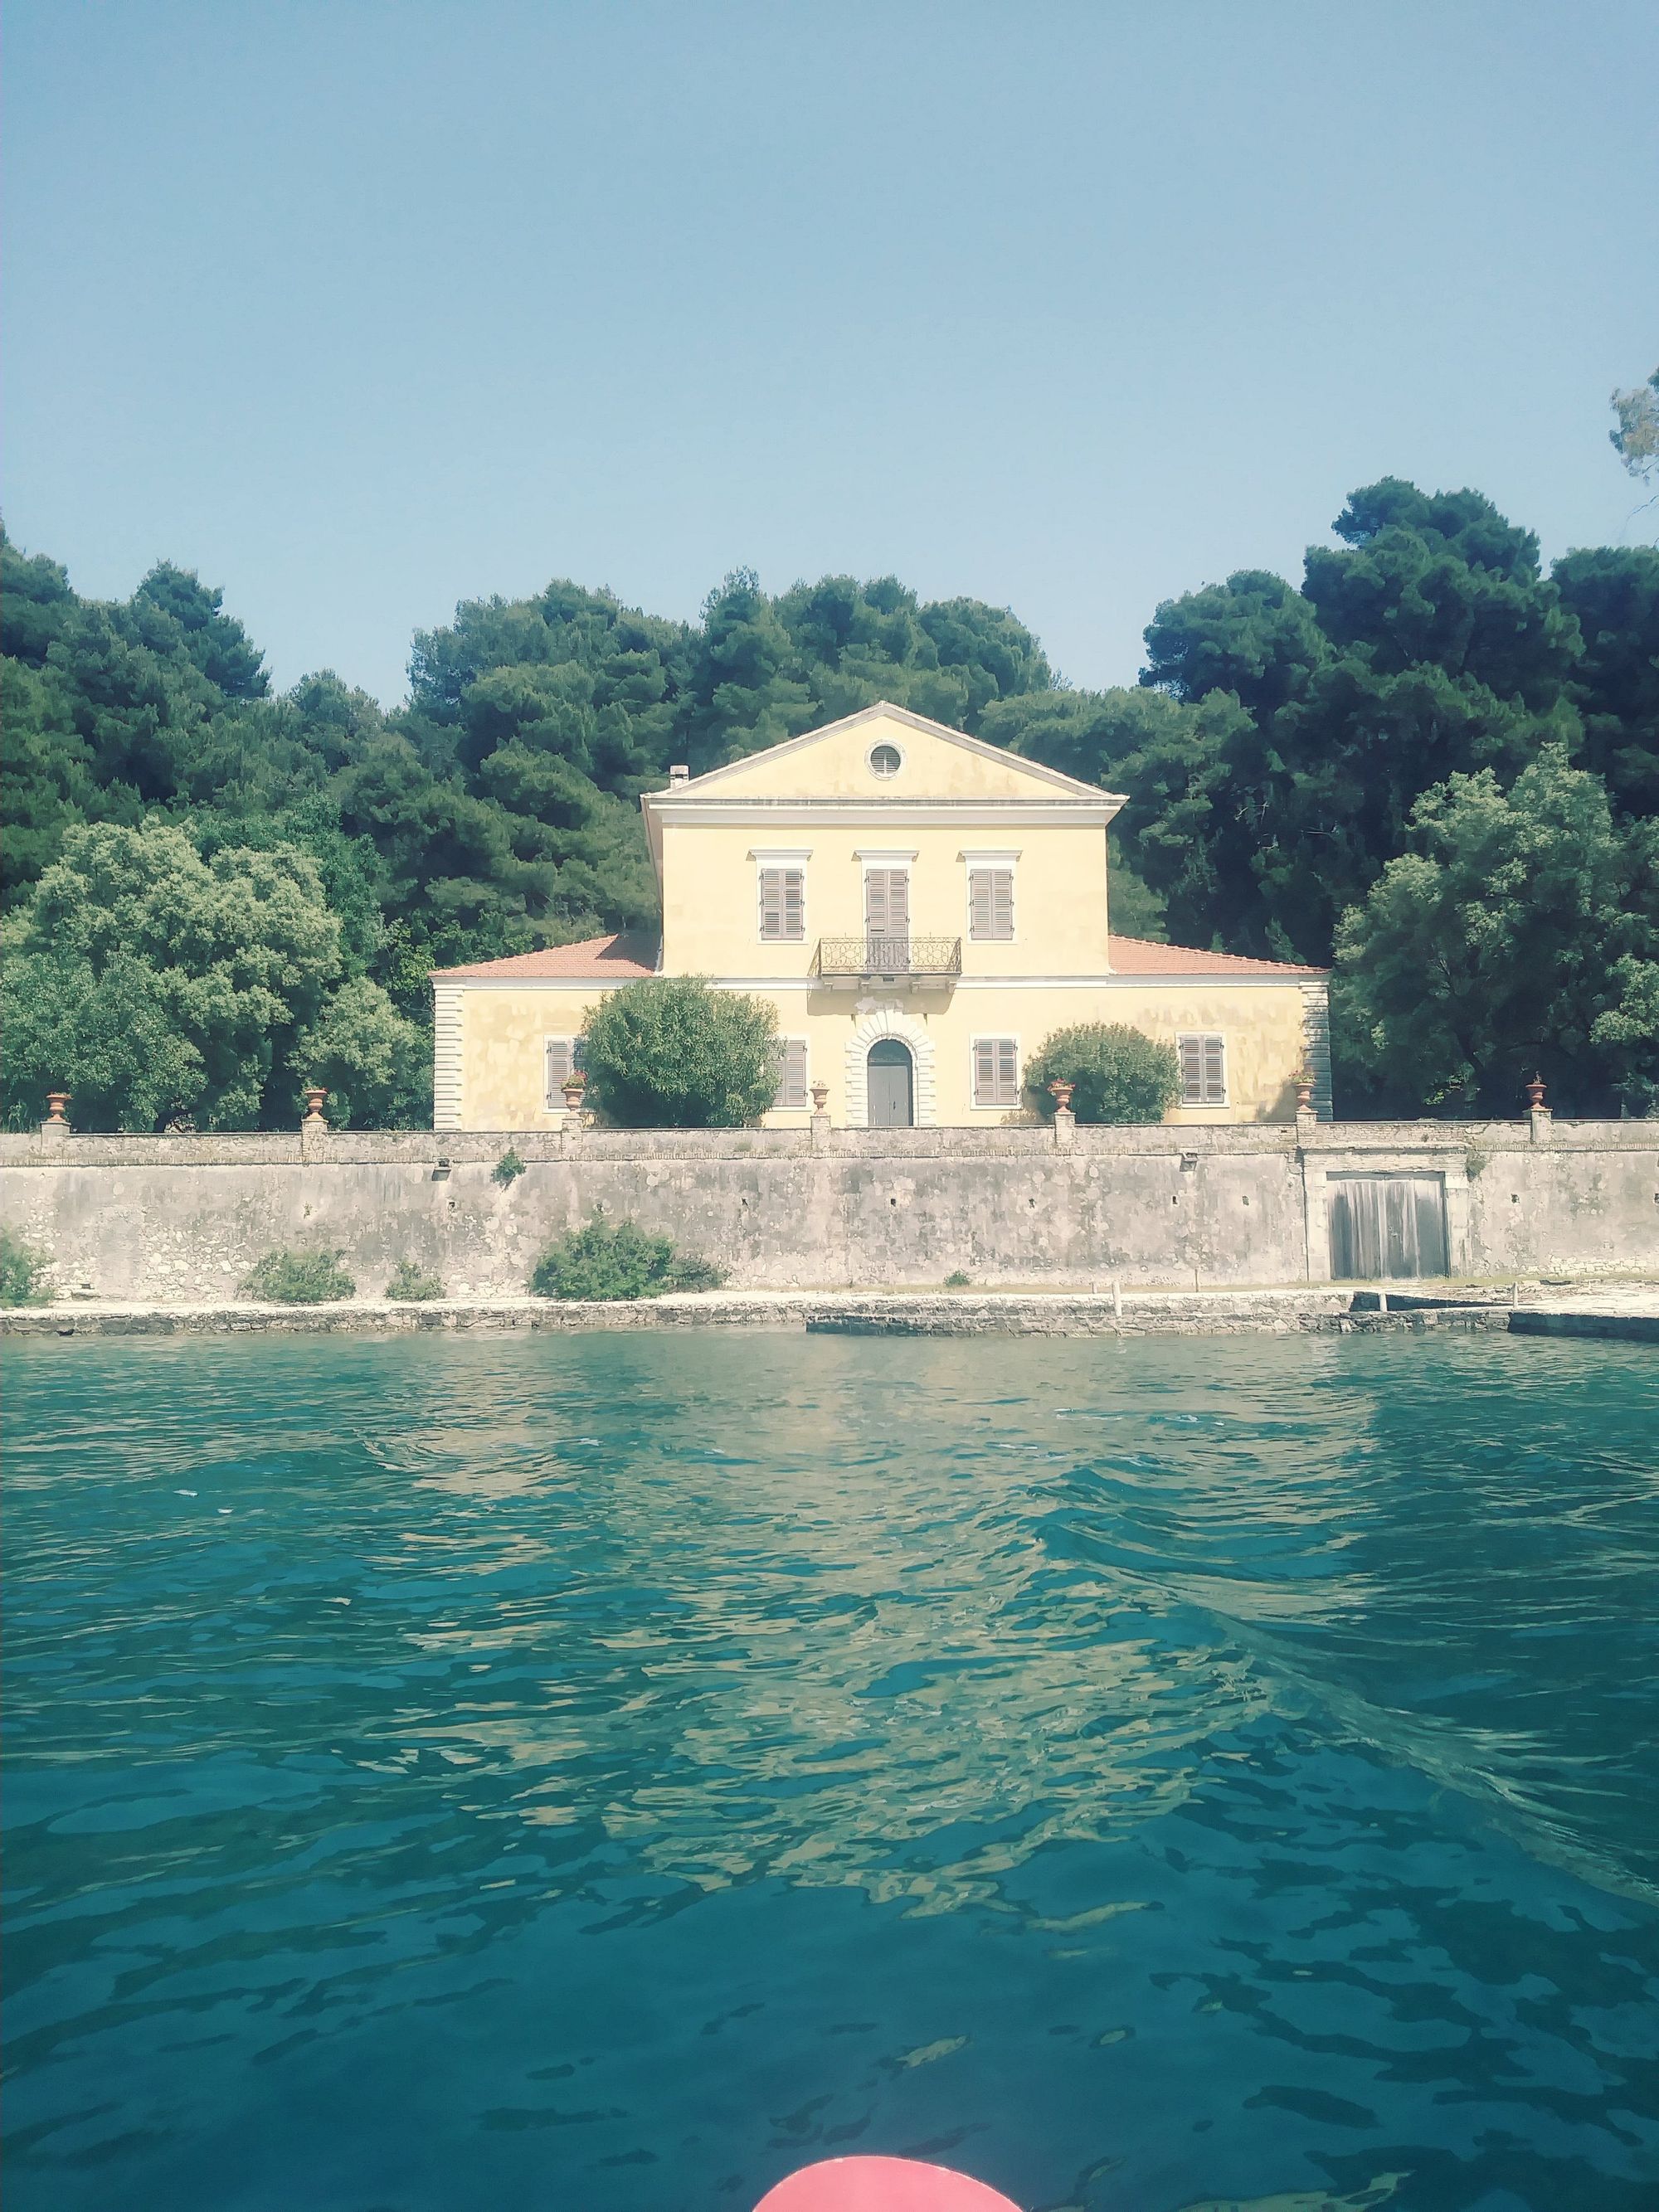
{"x": 174, "y": 1219}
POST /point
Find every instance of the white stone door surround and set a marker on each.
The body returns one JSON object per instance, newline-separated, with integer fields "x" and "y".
{"x": 873, "y": 1023}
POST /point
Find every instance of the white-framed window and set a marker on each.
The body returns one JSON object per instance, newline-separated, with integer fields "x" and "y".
{"x": 782, "y": 902}
{"x": 792, "y": 1074}
{"x": 1203, "y": 1068}
{"x": 885, "y": 760}
{"x": 561, "y": 1056}
{"x": 996, "y": 1071}
{"x": 991, "y": 904}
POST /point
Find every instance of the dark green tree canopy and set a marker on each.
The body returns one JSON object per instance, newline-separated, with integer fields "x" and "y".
{"x": 217, "y": 644}
{"x": 1520, "y": 932}
{"x": 1254, "y": 635}
{"x": 1425, "y": 644}
{"x": 1612, "y": 593}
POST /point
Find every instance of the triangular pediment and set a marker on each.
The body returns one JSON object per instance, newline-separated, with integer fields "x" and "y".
{"x": 845, "y": 760}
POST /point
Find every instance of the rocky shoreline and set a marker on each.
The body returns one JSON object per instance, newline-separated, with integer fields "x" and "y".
{"x": 1628, "y": 1312}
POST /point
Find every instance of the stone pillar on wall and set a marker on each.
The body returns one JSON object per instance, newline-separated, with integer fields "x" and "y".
{"x": 1539, "y": 1130}
{"x": 313, "y": 1129}
{"x": 1065, "y": 1118}
{"x": 55, "y": 1129}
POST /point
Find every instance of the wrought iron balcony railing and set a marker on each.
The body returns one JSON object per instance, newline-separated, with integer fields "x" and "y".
{"x": 914, "y": 959}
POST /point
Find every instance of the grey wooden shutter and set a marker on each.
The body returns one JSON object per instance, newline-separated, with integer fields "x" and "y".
{"x": 561, "y": 1058}
{"x": 1203, "y": 1070}
{"x": 996, "y": 1072}
{"x": 991, "y": 904}
{"x": 792, "y": 1073}
{"x": 887, "y": 901}
{"x": 783, "y": 904}
{"x": 1215, "y": 1072}
{"x": 985, "y": 1070}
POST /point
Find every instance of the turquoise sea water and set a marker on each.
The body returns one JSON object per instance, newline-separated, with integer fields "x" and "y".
{"x": 589, "y": 1774}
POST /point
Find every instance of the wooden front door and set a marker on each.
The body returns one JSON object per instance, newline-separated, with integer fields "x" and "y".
{"x": 890, "y": 1076}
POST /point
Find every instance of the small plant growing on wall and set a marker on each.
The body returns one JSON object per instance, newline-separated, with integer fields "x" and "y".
{"x": 956, "y": 1281}
{"x": 1117, "y": 1073}
{"x": 506, "y": 1170}
{"x": 412, "y": 1284}
{"x": 22, "y": 1267}
{"x": 288, "y": 1277}
{"x": 619, "y": 1260}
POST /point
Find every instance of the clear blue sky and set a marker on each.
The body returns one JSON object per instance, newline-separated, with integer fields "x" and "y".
{"x": 359, "y": 308}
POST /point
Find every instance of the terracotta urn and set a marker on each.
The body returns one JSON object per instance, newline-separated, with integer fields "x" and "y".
{"x": 315, "y": 1096}
{"x": 1060, "y": 1091}
{"x": 1535, "y": 1090}
{"x": 820, "y": 1097}
{"x": 573, "y": 1087}
{"x": 57, "y": 1100}
{"x": 1304, "y": 1080}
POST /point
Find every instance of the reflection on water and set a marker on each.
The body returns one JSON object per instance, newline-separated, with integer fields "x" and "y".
{"x": 604, "y": 1773}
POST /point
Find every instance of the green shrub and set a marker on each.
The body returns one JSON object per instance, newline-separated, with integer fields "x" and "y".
{"x": 673, "y": 1053}
{"x": 1121, "y": 1073}
{"x": 410, "y": 1282}
{"x": 602, "y": 1261}
{"x": 298, "y": 1278}
{"x": 22, "y": 1267}
{"x": 956, "y": 1281}
{"x": 506, "y": 1170}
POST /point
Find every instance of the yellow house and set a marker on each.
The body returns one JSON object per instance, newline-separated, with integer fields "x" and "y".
{"x": 923, "y": 910}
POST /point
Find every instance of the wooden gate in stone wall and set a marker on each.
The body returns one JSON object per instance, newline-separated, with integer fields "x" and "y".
{"x": 1386, "y": 1226}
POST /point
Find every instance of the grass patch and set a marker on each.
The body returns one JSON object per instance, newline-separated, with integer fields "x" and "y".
{"x": 412, "y": 1284}
{"x": 22, "y": 1267}
{"x": 604, "y": 1259}
{"x": 288, "y": 1277}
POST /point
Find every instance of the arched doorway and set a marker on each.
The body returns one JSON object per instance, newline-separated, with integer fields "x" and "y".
{"x": 877, "y": 1024}
{"x": 889, "y": 1076}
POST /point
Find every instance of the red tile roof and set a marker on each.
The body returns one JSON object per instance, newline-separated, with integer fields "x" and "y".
{"x": 622, "y": 958}
{"x": 617, "y": 959}
{"x": 1139, "y": 956}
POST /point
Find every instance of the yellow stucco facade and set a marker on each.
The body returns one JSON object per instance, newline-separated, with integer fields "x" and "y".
{"x": 888, "y": 882}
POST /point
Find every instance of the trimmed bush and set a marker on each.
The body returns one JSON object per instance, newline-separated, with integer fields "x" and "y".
{"x": 298, "y": 1278}
{"x": 409, "y": 1283}
{"x": 506, "y": 1170}
{"x": 22, "y": 1267}
{"x": 617, "y": 1261}
{"x": 673, "y": 1053}
{"x": 1121, "y": 1073}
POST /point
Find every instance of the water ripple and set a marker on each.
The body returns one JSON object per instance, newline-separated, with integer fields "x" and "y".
{"x": 605, "y": 1771}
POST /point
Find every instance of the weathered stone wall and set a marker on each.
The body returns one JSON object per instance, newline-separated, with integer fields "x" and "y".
{"x": 184, "y": 1218}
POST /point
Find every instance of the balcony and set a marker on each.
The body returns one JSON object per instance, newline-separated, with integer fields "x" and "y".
{"x": 919, "y": 962}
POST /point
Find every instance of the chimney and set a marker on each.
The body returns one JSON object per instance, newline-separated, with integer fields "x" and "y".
{"x": 678, "y": 774}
